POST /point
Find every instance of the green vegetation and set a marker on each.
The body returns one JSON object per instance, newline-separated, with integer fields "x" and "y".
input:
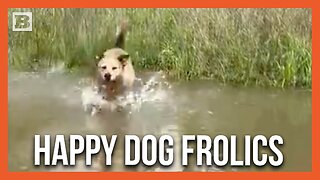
{"x": 266, "y": 47}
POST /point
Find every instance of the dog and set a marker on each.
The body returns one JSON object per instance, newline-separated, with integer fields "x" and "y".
{"x": 115, "y": 71}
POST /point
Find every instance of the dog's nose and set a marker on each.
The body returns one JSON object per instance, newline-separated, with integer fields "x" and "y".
{"x": 107, "y": 76}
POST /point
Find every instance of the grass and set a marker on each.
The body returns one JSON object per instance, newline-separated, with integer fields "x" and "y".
{"x": 265, "y": 47}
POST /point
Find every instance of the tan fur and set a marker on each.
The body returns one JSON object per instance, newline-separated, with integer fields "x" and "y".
{"x": 116, "y": 74}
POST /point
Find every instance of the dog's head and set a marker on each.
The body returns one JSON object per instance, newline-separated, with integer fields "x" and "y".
{"x": 112, "y": 64}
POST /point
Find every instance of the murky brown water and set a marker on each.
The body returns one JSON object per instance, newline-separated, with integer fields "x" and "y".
{"x": 51, "y": 104}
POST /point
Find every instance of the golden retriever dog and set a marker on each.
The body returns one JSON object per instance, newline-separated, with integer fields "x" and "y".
{"x": 115, "y": 72}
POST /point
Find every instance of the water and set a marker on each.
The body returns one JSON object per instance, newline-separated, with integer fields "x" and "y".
{"x": 52, "y": 103}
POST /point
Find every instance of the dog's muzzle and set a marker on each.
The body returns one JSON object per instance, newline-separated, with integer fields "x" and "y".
{"x": 107, "y": 76}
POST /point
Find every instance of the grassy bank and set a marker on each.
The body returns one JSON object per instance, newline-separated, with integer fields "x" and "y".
{"x": 267, "y": 47}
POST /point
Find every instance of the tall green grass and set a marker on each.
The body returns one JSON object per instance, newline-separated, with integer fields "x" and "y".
{"x": 267, "y": 47}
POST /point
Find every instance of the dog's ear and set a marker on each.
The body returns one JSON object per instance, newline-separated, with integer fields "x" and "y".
{"x": 124, "y": 59}
{"x": 96, "y": 60}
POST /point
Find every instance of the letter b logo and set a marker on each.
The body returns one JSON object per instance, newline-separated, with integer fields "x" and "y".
{"x": 22, "y": 21}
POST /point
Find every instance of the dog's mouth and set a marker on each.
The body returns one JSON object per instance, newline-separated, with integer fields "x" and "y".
{"x": 109, "y": 80}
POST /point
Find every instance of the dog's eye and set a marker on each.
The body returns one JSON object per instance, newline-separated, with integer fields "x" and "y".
{"x": 104, "y": 67}
{"x": 114, "y": 68}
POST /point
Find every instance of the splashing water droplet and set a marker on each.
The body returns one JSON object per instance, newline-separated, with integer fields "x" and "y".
{"x": 148, "y": 91}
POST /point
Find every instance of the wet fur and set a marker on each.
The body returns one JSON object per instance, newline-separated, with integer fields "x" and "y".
{"x": 123, "y": 76}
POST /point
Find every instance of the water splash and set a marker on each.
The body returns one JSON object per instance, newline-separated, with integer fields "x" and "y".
{"x": 58, "y": 68}
{"x": 154, "y": 89}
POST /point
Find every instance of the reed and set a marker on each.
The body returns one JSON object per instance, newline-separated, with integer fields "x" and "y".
{"x": 265, "y": 47}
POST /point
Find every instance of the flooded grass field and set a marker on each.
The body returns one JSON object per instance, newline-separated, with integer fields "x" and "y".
{"x": 50, "y": 103}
